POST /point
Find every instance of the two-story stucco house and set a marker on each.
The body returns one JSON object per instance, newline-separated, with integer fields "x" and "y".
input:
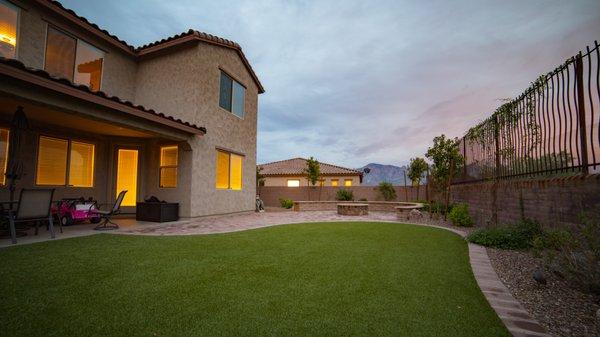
{"x": 175, "y": 118}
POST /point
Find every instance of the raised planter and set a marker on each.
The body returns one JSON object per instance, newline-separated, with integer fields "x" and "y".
{"x": 408, "y": 210}
{"x": 374, "y": 206}
{"x": 353, "y": 209}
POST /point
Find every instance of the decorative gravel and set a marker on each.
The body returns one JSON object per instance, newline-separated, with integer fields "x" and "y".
{"x": 561, "y": 309}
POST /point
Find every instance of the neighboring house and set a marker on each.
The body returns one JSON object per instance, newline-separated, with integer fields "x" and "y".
{"x": 292, "y": 173}
{"x": 175, "y": 118}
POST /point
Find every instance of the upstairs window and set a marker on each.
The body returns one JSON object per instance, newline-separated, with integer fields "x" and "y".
{"x": 9, "y": 16}
{"x": 168, "y": 166}
{"x": 73, "y": 59}
{"x": 229, "y": 171}
{"x": 232, "y": 95}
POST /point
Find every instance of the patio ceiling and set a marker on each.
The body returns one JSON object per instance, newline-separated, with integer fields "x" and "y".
{"x": 46, "y": 116}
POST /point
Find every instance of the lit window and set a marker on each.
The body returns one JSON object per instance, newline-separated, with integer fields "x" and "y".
{"x": 81, "y": 165}
{"x": 229, "y": 171}
{"x": 293, "y": 183}
{"x": 232, "y": 95}
{"x": 168, "y": 166}
{"x": 334, "y": 182}
{"x": 55, "y": 155}
{"x": 73, "y": 59}
{"x": 52, "y": 161}
{"x": 321, "y": 183}
{"x": 9, "y": 16}
{"x": 4, "y": 133}
{"x": 347, "y": 182}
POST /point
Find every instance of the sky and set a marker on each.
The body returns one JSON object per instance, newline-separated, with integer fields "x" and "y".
{"x": 354, "y": 82}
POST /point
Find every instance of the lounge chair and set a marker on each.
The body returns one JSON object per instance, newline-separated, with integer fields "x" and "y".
{"x": 34, "y": 205}
{"x": 107, "y": 215}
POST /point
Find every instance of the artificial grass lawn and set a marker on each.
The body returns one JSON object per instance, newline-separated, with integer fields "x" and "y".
{"x": 325, "y": 279}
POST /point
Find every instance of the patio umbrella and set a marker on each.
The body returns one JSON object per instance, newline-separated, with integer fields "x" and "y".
{"x": 14, "y": 170}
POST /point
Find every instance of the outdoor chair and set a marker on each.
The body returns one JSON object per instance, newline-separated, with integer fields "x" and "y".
{"x": 33, "y": 205}
{"x": 106, "y": 215}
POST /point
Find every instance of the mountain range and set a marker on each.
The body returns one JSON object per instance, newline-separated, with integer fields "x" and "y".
{"x": 379, "y": 173}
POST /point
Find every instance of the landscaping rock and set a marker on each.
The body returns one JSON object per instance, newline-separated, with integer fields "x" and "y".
{"x": 415, "y": 214}
{"x": 562, "y": 309}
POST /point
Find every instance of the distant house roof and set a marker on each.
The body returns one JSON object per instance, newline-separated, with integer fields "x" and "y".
{"x": 154, "y": 47}
{"x": 297, "y": 166}
{"x": 17, "y": 70}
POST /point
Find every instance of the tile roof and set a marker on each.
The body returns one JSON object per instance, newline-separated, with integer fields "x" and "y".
{"x": 297, "y": 166}
{"x": 196, "y": 35}
{"x": 43, "y": 74}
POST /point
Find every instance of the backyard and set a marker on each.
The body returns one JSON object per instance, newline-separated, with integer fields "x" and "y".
{"x": 326, "y": 279}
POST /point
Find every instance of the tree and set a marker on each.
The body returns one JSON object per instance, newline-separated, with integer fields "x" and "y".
{"x": 416, "y": 168}
{"x": 447, "y": 162}
{"x": 387, "y": 191}
{"x": 313, "y": 170}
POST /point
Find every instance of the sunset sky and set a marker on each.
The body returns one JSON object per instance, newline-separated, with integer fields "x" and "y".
{"x": 354, "y": 82}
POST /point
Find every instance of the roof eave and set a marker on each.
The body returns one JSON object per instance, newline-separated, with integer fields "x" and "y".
{"x": 162, "y": 47}
{"x": 75, "y": 92}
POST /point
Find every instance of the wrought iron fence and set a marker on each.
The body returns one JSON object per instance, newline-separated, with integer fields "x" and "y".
{"x": 550, "y": 129}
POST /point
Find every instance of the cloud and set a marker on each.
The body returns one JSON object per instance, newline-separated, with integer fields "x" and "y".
{"x": 355, "y": 82}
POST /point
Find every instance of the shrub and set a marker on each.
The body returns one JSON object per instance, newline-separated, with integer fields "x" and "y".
{"x": 344, "y": 195}
{"x": 499, "y": 237}
{"x": 459, "y": 216}
{"x": 286, "y": 203}
{"x": 437, "y": 207}
{"x": 574, "y": 254}
{"x": 387, "y": 191}
{"x": 520, "y": 236}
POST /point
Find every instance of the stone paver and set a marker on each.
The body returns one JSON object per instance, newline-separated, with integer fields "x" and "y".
{"x": 510, "y": 311}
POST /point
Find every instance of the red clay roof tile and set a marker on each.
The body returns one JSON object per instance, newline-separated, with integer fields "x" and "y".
{"x": 297, "y": 166}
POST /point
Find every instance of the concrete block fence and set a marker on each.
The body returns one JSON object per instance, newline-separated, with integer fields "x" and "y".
{"x": 270, "y": 195}
{"x": 552, "y": 202}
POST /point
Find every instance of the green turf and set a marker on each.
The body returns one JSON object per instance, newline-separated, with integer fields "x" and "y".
{"x": 326, "y": 279}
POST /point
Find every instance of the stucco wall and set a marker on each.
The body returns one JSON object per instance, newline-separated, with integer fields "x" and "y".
{"x": 282, "y": 181}
{"x": 119, "y": 69}
{"x": 185, "y": 84}
{"x": 182, "y": 192}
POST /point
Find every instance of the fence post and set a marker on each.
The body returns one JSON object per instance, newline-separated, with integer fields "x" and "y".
{"x": 581, "y": 113}
{"x": 497, "y": 144}
{"x": 497, "y": 173}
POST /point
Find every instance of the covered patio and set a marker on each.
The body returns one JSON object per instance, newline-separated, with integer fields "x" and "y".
{"x": 89, "y": 144}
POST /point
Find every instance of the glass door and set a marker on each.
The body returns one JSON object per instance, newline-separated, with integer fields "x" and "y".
{"x": 127, "y": 175}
